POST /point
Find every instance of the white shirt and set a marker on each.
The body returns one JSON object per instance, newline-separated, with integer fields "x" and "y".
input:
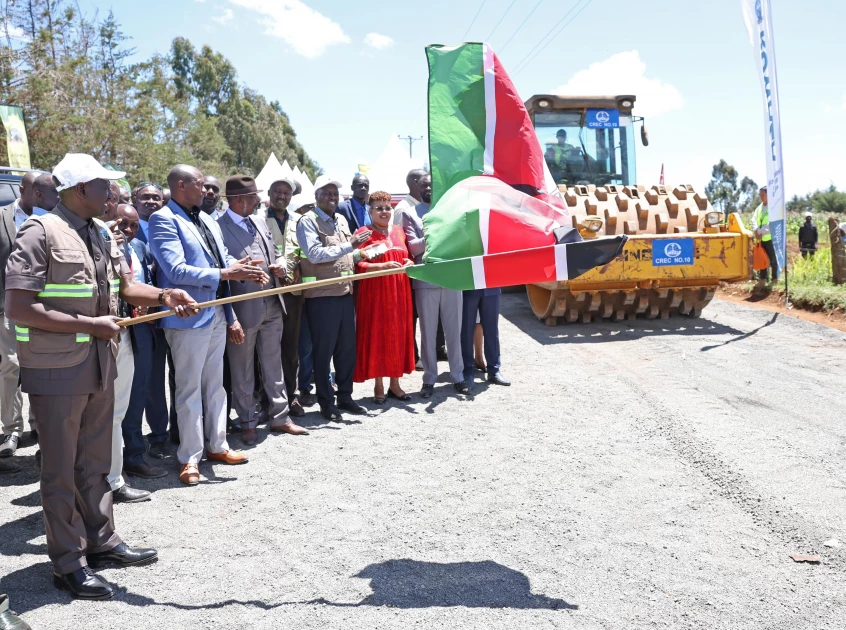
{"x": 239, "y": 220}
{"x": 409, "y": 203}
{"x": 21, "y": 216}
{"x": 137, "y": 269}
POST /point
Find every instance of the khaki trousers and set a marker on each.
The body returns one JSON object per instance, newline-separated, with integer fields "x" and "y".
{"x": 11, "y": 399}
{"x": 266, "y": 338}
{"x": 447, "y": 305}
{"x": 123, "y": 389}
{"x": 75, "y": 436}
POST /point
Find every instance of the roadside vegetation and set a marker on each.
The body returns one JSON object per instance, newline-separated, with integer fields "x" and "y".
{"x": 810, "y": 284}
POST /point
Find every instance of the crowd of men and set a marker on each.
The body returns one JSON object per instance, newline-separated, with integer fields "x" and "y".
{"x": 78, "y": 253}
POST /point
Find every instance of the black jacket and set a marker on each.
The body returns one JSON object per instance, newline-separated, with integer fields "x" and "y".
{"x": 808, "y": 235}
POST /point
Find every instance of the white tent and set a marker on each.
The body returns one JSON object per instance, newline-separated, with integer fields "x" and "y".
{"x": 390, "y": 169}
{"x": 271, "y": 172}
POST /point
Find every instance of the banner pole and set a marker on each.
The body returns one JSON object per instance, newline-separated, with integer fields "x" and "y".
{"x": 266, "y": 293}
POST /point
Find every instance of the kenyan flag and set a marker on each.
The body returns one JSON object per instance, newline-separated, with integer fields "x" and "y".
{"x": 485, "y": 234}
{"x": 478, "y": 124}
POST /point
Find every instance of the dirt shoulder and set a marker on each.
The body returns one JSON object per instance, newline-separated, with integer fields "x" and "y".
{"x": 774, "y": 302}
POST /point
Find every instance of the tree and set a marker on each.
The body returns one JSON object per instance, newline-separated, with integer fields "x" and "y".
{"x": 749, "y": 194}
{"x": 829, "y": 201}
{"x": 80, "y": 92}
{"x": 722, "y": 190}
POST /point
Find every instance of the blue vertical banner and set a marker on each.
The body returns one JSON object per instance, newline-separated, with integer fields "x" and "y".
{"x": 759, "y": 24}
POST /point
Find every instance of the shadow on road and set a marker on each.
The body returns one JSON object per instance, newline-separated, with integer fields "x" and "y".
{"x": 743, "y": 336}
{"x": 395, "y": 584}
{"x": 414, "y": 584}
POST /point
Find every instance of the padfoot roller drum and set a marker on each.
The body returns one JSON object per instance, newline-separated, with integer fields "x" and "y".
{"x": 678, "y": 251}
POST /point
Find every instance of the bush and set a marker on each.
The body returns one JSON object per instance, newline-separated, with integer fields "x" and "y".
{"x": 814, "y": 270}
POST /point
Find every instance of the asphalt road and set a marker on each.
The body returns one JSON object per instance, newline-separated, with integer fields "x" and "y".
{"x": 636, "y": 475}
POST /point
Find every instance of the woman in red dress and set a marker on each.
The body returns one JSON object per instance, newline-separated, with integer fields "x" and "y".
{"x": 384, "y": 328}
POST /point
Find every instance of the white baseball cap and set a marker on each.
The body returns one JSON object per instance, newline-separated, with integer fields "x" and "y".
{"x": 298, "y": 201}
{"x": 287, "y": 180}
{"x": 325, "y": 180}
{"x": 79, "y": 168}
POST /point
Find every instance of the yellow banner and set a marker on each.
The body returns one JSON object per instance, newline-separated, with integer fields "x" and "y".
{"x": 16, "y": 140}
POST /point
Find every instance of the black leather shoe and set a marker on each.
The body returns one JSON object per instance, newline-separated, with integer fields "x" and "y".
{"x": 145, "y": 471}
{"x": 8, "y": 468}
{"x": 8, "y": 619}
{"x": 426, "y": 391}
{"x": 159, "y": 450}
{"x": 442, "y": 354}
{"x": 296, "y": 409}
{"x": 461, "y": 387}
{"x": 331, "y": 413}
{"x": 84, "y": 584}
{"x": 123, "y": 555}
{"x": 125, "y": 494}
{"x": 307, "y": 400}
{"x": 404, "y": 398}
{"x": 498, "y": 379}
{"x": 9, "y": 445}
{"x": 353, "y": 407}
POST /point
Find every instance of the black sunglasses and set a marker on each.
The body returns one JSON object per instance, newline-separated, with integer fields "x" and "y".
{"x": 146, "y": 184}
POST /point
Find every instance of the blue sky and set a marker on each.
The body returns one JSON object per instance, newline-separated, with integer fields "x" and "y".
{"x": 350, "y": 74}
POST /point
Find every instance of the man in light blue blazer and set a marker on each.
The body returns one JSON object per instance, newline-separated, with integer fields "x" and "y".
{"x": 188, "y": 247}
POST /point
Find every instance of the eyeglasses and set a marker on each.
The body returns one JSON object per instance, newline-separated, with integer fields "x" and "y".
{"x": 381, "y": 208}
{"x": 145, "y": 184}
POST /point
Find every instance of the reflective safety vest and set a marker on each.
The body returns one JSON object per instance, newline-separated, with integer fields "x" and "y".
{"x": 71, "y": 288}
{"x": 337, "y": 268}
{"x": 559, "y": 153}
{"x": 762, "y": 219}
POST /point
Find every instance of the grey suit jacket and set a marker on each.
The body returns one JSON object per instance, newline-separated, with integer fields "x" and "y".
{"x": 239, "y": 243}
{"x": 7, "y": 242}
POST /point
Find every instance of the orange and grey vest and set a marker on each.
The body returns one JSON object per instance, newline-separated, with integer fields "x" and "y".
{"x": 337, "y": 268}
{"x": 71, "y": 288}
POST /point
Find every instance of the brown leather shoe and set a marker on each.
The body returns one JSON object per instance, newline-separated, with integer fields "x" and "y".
{"x": 249, "y": 436}
{"x": 189, "y": 474}
{"x": 232, "y": 458}
{"x": 293, "y": 429}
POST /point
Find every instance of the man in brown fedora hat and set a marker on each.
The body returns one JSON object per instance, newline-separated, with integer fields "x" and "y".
{"x": 259, "y": 324}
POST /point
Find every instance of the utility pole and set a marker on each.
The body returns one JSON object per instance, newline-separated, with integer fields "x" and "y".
{"x": 411, "y": 141}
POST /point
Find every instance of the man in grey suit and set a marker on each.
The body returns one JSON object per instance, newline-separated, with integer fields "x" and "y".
{"x": 259, "y": 321}
{"x": 38, "y": 196}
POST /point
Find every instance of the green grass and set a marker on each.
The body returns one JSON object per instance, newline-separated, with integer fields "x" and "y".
{"x": 810, "y": 285}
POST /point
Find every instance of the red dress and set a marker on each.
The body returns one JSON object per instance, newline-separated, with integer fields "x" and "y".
{"x": 384, "y": 325}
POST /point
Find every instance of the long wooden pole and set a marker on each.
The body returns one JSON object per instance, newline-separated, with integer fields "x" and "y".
{"x": 265, "y": 293}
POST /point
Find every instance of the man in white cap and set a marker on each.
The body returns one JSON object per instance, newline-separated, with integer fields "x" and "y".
{"x": 808, "y": 236}
{"x": 63, "y": 281}
{"x": 283, "y": 228}
{"x": 327, "y": 246}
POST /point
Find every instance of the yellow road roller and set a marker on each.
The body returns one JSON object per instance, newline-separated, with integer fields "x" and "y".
{"x": 679, "y": 249}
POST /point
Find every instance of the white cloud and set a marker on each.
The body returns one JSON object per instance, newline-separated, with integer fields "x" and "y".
{"x": 225, "y": 17}
{"x": 15, "y": 32}
{"x": 625, "y": 73}
{"x": 308, "y": 32}
{"x": 378, "y": 41}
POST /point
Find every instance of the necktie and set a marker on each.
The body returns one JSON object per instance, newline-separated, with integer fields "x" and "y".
{"x": 251, "y": 228}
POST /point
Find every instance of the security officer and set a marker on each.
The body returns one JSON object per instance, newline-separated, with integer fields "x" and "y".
{"x": 63, "y": 281}
{"x": 761, "y": 225}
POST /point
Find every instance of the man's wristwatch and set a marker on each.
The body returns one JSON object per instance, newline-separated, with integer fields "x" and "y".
{"x": 163, "y": 294}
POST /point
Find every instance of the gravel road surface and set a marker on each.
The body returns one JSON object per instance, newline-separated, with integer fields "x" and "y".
{"x": 636, "y": 475}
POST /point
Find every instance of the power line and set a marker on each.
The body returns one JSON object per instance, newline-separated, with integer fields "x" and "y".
{"x": 554, "y": 36}
{"x": 473, "y": 21}
{"x": 552, "y": 30}
{"x": 488, "y": 38}
{"x": 519, "y": 28}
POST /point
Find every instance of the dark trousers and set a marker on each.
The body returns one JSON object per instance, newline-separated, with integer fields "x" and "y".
{"x": 75, "y": 436}
{"x": 770, "y": 251}
{"x": 332, "y": 324}
{"x": 131, "y": 427}
{"x": 488, "y": 308}
{"x": 306, "y": 368}
{"x": 291, "y": 342}
{"x": 158, "y": 415}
